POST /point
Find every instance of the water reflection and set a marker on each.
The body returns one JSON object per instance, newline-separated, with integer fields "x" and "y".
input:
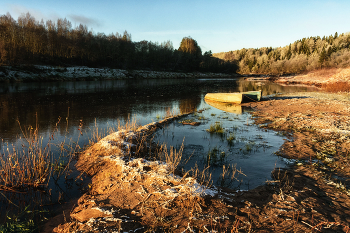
{"x": 108, "y": 100}
{"x": 239, "y": 144}
{"x": 233, "y": 108}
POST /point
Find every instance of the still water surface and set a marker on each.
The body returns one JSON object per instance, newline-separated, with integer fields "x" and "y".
{"x": 83, "y": 105}
{"x": 105, "y": 102}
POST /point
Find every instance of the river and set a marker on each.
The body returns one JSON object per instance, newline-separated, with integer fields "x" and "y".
{"x": 71, "y": 111}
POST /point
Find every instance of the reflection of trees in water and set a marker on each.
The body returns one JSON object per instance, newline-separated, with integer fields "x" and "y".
{"x": 270, "y": 88}
{"x": 107, "y": 100}
{"x": 188, "y": 105}
{"x": 86, "y": 101}
{"x": 101, "y": 106}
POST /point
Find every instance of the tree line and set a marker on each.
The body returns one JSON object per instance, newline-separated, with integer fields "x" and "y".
{"x": 27, "y": 41}
{"x": 303, "y": 55}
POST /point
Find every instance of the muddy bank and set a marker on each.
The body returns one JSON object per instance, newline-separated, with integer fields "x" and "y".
{"x": 132, "y": 194}
{"x": 314, "y": 192}
{"x": 49, "y": 73}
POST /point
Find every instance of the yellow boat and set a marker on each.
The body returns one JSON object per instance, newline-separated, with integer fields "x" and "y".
{"x": 235, "y": 98}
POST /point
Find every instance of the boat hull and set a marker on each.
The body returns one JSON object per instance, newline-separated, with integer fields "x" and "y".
{"x": 234, "y": 98}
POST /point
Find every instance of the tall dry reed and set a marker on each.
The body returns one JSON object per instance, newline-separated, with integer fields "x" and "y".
{"x": 31, "y": 163}
{"x": 27, "y": 165}
{"x": 172, "y": 156}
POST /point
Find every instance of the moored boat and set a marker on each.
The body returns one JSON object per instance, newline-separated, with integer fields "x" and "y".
{"x": 235, "y": 98}
{"x": 252, "y": 95}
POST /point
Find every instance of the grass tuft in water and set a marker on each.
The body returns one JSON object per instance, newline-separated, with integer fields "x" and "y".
{"x": 229, "y": 175}
{"x": 216, "y": 128}
{"x": 215, "y": 157}
{"x": 230, "y": 139}
{"x": 27, "y": 166}
{"x": 248, "y": 147}
{"x": 23, "y": 222}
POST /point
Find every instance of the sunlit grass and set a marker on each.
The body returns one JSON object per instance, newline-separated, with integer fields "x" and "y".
{"x": 30, "y": 165}
{"x": 336, "y": 87}
{"x": 216, "y": 128}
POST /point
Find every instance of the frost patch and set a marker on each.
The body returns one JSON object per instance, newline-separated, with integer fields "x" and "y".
{"x": 105, "y": 211}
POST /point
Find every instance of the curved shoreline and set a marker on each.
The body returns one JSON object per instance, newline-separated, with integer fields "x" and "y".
{"x": 297, "y": 199}
{"x": 127, "y": 191}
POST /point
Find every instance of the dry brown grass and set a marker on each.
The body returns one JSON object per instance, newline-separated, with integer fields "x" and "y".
{"x": 172, "y": 157}
{"x": 29, "y": 165}
{"x": 324, "y": 72}
{"x": 336, "y": 87}
{"x": 129, "y": 125}
{"x": 229, "y": 174}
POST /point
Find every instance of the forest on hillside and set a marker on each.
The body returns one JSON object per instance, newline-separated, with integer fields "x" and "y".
{"x": 27, "y": 41}
{"x": 303, "y": 55}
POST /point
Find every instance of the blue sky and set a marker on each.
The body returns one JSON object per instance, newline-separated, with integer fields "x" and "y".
{"x": 217, "y": 25}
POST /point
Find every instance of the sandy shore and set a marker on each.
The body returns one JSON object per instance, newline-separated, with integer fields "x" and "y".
{"x": 130, "y": 194}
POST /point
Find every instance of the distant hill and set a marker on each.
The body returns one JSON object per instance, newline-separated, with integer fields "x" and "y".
{"x": 303, "y": 55}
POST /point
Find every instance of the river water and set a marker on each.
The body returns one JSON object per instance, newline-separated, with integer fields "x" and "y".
{"x": 80, "y": 107}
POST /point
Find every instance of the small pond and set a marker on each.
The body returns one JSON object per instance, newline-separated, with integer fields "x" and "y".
{"x": 226, "y": 139}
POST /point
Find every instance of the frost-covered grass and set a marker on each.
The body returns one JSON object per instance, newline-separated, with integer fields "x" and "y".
{"x": 35, "y": 73}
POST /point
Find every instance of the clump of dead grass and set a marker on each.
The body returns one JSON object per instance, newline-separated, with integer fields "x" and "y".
{"x": 30, "y": 165}
{"x": 336, "y": 87}
{"x": 97, "y": 134}
{"x": 172, "y": 157}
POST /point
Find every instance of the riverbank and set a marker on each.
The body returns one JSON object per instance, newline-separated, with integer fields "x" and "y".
{"x": 129, "y": 193}
{"x": 313, "y": 194}
{"x": 49, "y": 73}
{"x": 318, "y": 77}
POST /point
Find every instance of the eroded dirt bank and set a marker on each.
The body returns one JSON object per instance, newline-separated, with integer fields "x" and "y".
{"x": 130, "y": 194}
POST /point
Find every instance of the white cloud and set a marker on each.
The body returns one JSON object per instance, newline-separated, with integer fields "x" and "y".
{"x": 84, "y": 20}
